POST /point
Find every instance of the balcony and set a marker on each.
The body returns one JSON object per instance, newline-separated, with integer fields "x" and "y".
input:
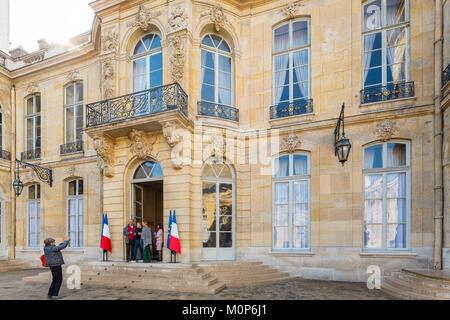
{"x": 137, "y": 108}
{"x": 5, "y": 155}
{"x": 387, "y": 93}
{"x": 216, "y": 110}
{"x": 33, "y": 154}
{"x": 71, "y": 147}
{"x": 289, "y": 109}
{"x": 446, "y": 76}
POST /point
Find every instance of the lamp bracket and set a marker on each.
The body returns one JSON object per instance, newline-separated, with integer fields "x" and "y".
{"x": 44, "y": 174}
{"x": 339, "y": 131}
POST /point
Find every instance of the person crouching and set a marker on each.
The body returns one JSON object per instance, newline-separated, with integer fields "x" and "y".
{"x": 54, "y": 259}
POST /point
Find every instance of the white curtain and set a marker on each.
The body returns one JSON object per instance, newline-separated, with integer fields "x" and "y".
{"x": 369, "y": 41}
{"x": 396, "y": 206}
{"x": 300, "y": 34}
{"x": 140, "y": 75}
{"x": 281, "y": 69}
{"x": 369, "y": 157}
{"x": 300, "y": 165}
{"x": 281, "y": 215}
{"x": 396, "y": 40}
{"x": 396, "y": 156}
{"x": 282, "y": 166}
{"x": 281, "y": 38}
{"x": 301, "y": 214}
{"x": 301, "y": 70}
{"x": 395, "y": 11}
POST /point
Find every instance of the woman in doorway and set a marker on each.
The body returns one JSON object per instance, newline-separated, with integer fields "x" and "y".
{"x": 146, "y": 242}
{"x": 159, "y": 234}
{"x": 137, "y": 242}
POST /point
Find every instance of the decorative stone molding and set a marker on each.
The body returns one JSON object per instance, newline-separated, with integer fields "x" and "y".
{"x": 217, "y": 146}
{"x": 104, "y": 146}
{"x": 2, "y": 61}
{"x": 144, "y": 18}
{"x": 73, "y": 75}
{"x": 177, "y": 57}
{"x": 178, "y": 19}
{"x": 141, "y": 144}
{"x": 110, "y": 41}
{"x": 108, "y": 78}
{"x": 290, "y": 11}
{"x": 32, "y": 88}
{"x": 70, "y": 172}
{"x": 172, "y": 135}
{"x": 386, "y": 129}
{"x": 216, "y": 16}
{"x": 290, "y": 143}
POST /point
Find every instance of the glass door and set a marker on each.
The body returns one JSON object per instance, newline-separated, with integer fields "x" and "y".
{"x": 138, "y": 203}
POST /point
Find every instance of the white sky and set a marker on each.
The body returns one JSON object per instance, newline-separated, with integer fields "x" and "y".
{"x": 55, "y": 20}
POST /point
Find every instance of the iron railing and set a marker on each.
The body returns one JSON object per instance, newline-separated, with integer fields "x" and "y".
{"x": 31, "y": 154}
{"x": 138, "y": 104}
{"x": 71, "y": 147}
{"x": 218, "y": 110}
{"x": 390, "y": 92}
{"x": 289, "y": 109}
{"x": 446, "y": 76}
{"x": 5, "y": 155}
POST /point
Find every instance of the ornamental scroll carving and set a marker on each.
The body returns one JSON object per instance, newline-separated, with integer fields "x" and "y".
{"x": 108, "y": 78}
{"x": 217, "y": 16}
{"x": 178, "y": 20}
{"x": 290, "y": 11}
{"x": 73, "y": 75}
{"x": 110, "y": 41}
{"x": 177, "y": 57}
{"x": 144, "y": 18}
{"x": 141, "y": 144}
{"x": 291, "y": 143}
{"x": 386, "y": 129}
{"x": 217, "y": 146}
{"x": 171, "y": 132}
{"x": 32, "y": 88}
{"x": 104, "y": 146}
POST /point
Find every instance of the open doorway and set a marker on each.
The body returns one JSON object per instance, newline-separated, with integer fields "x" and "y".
{"x": 148, "y": 197}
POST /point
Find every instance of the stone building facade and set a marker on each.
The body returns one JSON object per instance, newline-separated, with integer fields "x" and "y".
{"x": 225, "y": 112}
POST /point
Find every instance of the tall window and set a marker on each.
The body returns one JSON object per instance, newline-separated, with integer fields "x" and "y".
{"x": 75, "y": 212}
{"x": 33, "y": 122}
{"x": 386, "y": 196}
{"x": 148, "y": 63}
{"x": 385, "y": 42}
{"x": 217, "y": 71}
{"x": 34, "y": 215}
{"x": 73, "y": 111}
{"x": 1, "y": 128}
{"x": 291, "y": 202}
{"x": 291, "y": 57}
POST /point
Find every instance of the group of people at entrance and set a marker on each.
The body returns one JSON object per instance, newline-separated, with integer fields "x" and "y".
{"x": 141, "y": 241}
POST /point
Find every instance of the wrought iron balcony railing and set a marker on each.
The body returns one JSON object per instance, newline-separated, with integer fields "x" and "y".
{"x": 31, "y": 154}
{"x": 446, "y": 76}
{"x": 289, "y": 109}
{"x": 389, "y": 92}
{"x": 5, "y": 155}
{"x": 71, "y": 147}
{"x": 148, "y": 102}
{"x": 218, "y": 110}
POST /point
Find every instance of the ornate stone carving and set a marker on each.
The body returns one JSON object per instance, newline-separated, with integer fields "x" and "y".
{"x": 386, "y": 129}
{"x": 108, "y": 79}
{"x": 141, "y": 144}
{"x": 290, "y": 143}
{"x": 110, "y": 41}
{"x": 178, "y": 19}
{"x": 2, "y": 61}
{"x": 73, "y": 75}
{"x": 144, "y": 17}
{"x": 70, "y": 171}
{"x": 104, "y": 146}
{"x": 177, "y": 57}
{"x": 217, "y": 146}
{"x": 290, "y": 10}
{"x": 216, "y": 16}
{"x": 32, "y": 88}
{"x": 172, "y": 135}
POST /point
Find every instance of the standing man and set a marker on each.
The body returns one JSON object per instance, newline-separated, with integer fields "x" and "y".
{"x": 54, "y": 259}
{"x": 129, "y": 235}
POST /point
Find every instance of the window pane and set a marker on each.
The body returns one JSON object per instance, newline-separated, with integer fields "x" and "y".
{"x": 395, "y": 12}
{"x": 373, "y": 199}
{"x": 396, "y": 154}
{"x": 207, "y": 41}
{"x": 225, "y": 240}
{"x": 156, "y": 79}
{"x": 225, "y": 64}
{"x": 301, "y": 237}
{"x": 282, "y": 166}
{"x": 156, "y": 43}
{"x": 280, "y": 238}
{"x": 208, "y": 76}
{"x": 70, "y": 122}
{"x": 38, "y": 191}
{"x": 373, "y": 77}
{"x": 209, "y": 211}
{"x": 372, "y": 15}
{"x": 373, "y": 236}
{"x": 79, "y": 92}
{"x": 396, "y": 236}
{"x": 80, "y": 187}
{"x": 224, "y": 47}
{"x": 300, "y": 33}
{"x": 157, "y": 170}
{"x": 300, "y": 164}
{"x": 281, "y": 38}
{"x": 216, "y": 40}
{"x": 72, "y": 188}
{"x": 208, "y": 93}
{"x": 373, "y": 187}
{"x": 373, "y": 157}
{"x": 38, "y": 103}
{"x": 32, "y": 192}
{"x": 140, "y": 48}
{"x": 156, "y": 61}
{"x": 69, "y": 94}
{"x": 207, "y": 59}
{"x": 30, "y": 106}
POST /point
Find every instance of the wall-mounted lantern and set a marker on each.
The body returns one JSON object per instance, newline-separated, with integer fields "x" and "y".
{"x": 342, "y": 145}
{"x": 44, "y": 174}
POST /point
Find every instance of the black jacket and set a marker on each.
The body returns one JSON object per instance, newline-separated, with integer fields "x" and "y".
{"x": 53, "y": 255}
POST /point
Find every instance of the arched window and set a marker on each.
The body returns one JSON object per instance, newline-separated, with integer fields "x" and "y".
{"x": 148, "y": 63}
{"x": 291, "y": 202}
{"x": 386, "y": 196}
{"x": 217, "y": 71}
{"x": 75, "y": 221}
{"x": 34, "y": 215}
{"x": 291, "y": 64}
{"x": 73, "y": 112}
{"x": 33, "y": 126}
{"x": 148, "y": 170}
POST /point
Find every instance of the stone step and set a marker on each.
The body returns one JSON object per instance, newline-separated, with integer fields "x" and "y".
{"x": 12, "y": 265}
{"x": 418, "y": 288}
{"x": 245, "y": 283}
{"x": 251, "y": 277}
{"x": 423, "y": 281}
{"x": 391, "y": 289}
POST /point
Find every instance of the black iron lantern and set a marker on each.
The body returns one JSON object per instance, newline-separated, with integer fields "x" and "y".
{"x": 18, "y": 186}
{"x": 44, "y": 174}
{"x": 342, "y": 145}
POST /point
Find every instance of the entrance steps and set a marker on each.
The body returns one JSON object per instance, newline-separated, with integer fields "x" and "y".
{"x": 14, "y": 265}
{"x": 242, "y": 274}
{"x": 418, "y": 285}
{"x": 156, "y": 276}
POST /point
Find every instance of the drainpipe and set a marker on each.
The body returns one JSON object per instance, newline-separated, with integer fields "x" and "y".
{"x": 13, "y": 168}
{"x": 438, "y": 140}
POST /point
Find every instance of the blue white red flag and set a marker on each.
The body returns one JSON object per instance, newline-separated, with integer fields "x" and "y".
{"x": 174, "y": 243}
{"x": 105, "y": 242}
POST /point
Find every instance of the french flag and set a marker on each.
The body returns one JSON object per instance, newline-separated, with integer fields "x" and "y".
{"x": 174, "y": 243}
{"x": 105, "y": 242}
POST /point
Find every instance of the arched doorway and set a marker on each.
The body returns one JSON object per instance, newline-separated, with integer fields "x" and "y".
{"x": 218, "y": 212}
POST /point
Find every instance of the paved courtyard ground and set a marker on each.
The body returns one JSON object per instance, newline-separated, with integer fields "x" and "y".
{"x": 13, "y": 288}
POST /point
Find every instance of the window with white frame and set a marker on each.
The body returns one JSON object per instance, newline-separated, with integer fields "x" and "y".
{"x": 386, "y": 196}
{"x": 75, "y": 219}
{"x": 34, "y": 215}
{"x": 33, "y": 122}
{"x": 73, "y": 111}
{"x": 148, "y": 63}
{"x": 291, "y": 202}
{"x": 385, "y": 42}
{"x": 217, "y": 71}
{"x": 291, "y": 62}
